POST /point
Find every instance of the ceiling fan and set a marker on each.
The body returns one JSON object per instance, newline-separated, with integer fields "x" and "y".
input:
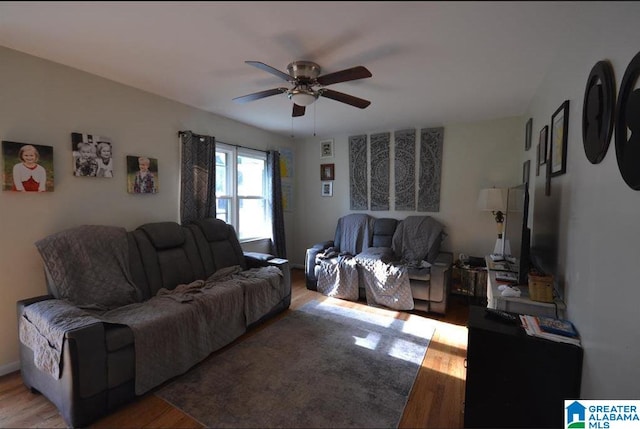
{"x": 308, "y": 85}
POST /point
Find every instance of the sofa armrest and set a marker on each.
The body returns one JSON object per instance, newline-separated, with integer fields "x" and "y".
{"x": 444, "y": 259}
{"x": 285, "y": 267}
{"x": 310, "y": 262}
{"x": 84, "y": 354}
{"x": 440, "y": 277}
{"x": 257, "y": 259}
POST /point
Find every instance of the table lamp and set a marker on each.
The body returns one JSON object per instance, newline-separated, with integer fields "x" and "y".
{"x": 495, "y": 201}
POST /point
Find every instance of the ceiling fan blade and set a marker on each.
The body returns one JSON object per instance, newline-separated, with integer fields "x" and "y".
{"x": 346, "y": 75}
{"x": 259, "y": 95}
{"x": 298, "y": 110}
{"x": 269, "y": 69}
{"x": 345, "y": 98}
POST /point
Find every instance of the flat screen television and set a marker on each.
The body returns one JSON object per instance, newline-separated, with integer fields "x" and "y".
{"x": 516, "y": 229}
{"x": 546, "y": 232}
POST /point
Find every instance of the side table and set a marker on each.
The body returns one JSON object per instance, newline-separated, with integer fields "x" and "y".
{"x": 469, "y": 281}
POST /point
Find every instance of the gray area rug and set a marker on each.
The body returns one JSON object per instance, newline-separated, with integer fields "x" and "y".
{"x": 322, "y": 365}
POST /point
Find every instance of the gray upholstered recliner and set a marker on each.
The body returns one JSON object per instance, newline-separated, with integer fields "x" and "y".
{"x": 429, "y": 286}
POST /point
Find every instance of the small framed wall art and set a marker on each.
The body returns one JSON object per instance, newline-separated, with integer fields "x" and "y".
{"x": 327, "y": 172}
{"x": 526, "y": 167}
{"x": 542, "y": 148}
{"x": 558, "y": 146}
{"x": 327, "y": 189}
{"x": 326, "y": 149}
{"x": 527, "y": 134}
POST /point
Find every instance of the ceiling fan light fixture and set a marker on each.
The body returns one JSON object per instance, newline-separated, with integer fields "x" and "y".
{"x": 302, "y": 97}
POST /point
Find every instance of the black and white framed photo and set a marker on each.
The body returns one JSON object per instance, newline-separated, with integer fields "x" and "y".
{"x": 558, "y": 145}
{"x": 92, "y": 155}
{"x": 326, "y": 149}
{"x": 327, "y": 189}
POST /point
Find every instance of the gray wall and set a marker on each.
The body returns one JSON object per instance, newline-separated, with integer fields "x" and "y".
{"x": 475, "y": 156}
{"x": 42, "y": 103}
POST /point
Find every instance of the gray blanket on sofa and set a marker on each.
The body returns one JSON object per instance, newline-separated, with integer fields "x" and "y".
{"x": 415, "y": 239}
{"x": 172, "y": 331}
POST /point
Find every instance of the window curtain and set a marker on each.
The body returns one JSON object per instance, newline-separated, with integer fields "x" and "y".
{"x": 197, "y": 177}
{"x": 274, "y": 198}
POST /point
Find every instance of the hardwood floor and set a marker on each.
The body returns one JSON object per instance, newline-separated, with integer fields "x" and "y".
{"x": 436, "y": 400}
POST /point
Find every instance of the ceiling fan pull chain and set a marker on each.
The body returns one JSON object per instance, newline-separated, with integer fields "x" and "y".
{"x": 314, "y": 119}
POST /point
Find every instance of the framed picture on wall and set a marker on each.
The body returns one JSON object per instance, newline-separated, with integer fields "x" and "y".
{"x": 527, "y": 134}
{"x": 327, "y": 189}
{"x": 526, "y": 167}
{"x": 558, "y": 144}
{"x": 542, "y": 149}
{"x": 142, "y": 175}
{"x": 326, "y": 149}
{"x": 92, "y": 155}
{"x": 27, "y": 167}
{"x": 327, "y": 172}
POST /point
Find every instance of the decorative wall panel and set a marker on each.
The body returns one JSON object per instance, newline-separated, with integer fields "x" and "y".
{"x": 358, "y": 173}
{"x": 380, "y": 171}
{"x": 405, "y": 169}
{"x": 430, "y": 169}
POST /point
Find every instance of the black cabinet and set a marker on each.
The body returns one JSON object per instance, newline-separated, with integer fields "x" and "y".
{"x": 515, "y": 380}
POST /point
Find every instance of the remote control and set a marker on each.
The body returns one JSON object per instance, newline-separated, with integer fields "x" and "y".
{"x": 502, "y": 316}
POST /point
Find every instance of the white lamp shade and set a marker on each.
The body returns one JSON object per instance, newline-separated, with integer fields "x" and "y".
{"x": 493, "y": 199}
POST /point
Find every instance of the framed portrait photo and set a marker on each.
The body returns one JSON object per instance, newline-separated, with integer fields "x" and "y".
{"x": 326, "y": 149}
{"x": 558, "y": 145}
{"x": 27, "y": 167}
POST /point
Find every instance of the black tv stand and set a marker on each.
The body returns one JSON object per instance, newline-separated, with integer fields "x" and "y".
{"x": 515, "y": 380}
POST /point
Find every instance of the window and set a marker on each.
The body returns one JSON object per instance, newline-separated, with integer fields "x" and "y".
{"x": 241, "y": 190}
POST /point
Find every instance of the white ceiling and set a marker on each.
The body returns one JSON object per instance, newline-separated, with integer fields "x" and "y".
{"x": 432, "y": 62}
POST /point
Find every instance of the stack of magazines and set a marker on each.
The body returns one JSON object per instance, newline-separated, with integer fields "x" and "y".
{"x": 559, "y": 330}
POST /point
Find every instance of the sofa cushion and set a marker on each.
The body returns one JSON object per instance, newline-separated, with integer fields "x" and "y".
{"x": 383, "y": 230}
{"x": 164, "y": 235}
{"x": 168, "y": 259}
{"x": 218, "y": 245}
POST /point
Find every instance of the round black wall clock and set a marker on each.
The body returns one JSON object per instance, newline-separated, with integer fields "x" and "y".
{"x": 597, "y": 111}
{"x": 628, "y": 117}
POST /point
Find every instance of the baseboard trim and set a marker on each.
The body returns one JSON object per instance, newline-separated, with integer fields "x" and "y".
{"x": 9, "y": 368}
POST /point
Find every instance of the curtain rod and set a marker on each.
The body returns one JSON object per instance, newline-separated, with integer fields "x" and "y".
{"x": 180, "y": 133}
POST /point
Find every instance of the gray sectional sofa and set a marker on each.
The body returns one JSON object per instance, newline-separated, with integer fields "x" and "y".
{"x": 379, "y": 239}
{"x": 175, "y": 276}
